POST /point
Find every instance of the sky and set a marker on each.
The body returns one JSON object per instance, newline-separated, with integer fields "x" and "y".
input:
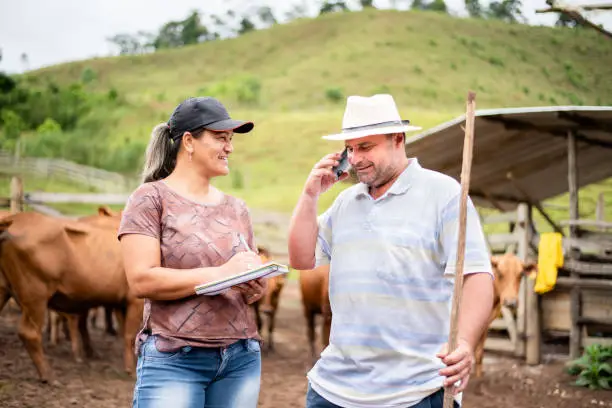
{"x": 52, "y": 32}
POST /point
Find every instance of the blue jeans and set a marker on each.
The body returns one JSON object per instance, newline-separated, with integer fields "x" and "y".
{"x": 198, "y": 377}
{"x": 435, "y": 400}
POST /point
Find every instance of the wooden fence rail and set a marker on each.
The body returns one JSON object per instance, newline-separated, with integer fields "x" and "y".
{"x": 88, "y": 176}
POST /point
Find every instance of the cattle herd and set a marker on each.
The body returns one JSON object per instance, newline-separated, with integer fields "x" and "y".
{"x": 65, "y": 274}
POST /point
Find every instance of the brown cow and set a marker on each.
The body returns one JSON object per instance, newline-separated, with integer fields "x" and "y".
{"x": 70, "y": 323}
{"x": 268, "y": 304}
{"x": 314, "y": 287}
{"x": 508, "y": 270}
{"x": 69, "y": 266}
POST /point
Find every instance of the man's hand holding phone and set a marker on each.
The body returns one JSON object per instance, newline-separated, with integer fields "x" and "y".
{"x": 324, "y": 173}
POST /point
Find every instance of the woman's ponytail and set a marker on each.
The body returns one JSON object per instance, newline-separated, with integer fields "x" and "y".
{"x": 160, "y": 158}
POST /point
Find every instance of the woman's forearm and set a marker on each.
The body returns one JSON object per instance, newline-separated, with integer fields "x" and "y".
{"x": 160, "y": 283}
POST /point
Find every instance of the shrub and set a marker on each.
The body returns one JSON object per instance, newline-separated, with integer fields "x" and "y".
{"x": 247, "y": 89}
{"x": 334, "y": 94}
{"x": 593, "y": 368}
{"x": 88, "y": 75}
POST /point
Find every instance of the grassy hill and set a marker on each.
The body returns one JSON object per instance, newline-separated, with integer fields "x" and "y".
{"x": 292, "y": 80}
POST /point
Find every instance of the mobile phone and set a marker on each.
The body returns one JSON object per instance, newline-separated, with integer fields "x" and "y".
{"x": 343, "y": 164}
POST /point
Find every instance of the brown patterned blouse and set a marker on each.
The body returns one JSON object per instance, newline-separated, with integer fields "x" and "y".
{"x": 192, "y": 235}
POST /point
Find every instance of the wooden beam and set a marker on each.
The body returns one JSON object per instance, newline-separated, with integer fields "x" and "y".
{"x": 556, "y": 130}
{"x": 16, "y": 195}
{"x": 497, "y": 344}
{"x": 522, "y": 239}
{"x": 591, "y": 7}
{"x": 600, "y": 213}
{"x": 575, "y": 298}
{"x": 493, "y": 202}
{"x": 584, "y": 122}
{"x": 534, "y": 203}
{"x": 510, "y": 324}
{"x": 498, "y": 218}
{"x": 497, "y": 197}
{"x": 593, "y": 321}
{"x": 577, "y": 283}
{"x": 502, "y": 239}
{"x": 603, "y": 341}
{"x": 574, "y": 13}
{"x": 587, "y": 245}
{"x": 587, "y": 223}
{"x": 42, "y": 198}
{"x": 588, "y": 268}
{"x": 533, "y": 329}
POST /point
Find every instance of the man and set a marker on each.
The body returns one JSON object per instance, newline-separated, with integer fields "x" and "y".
{"x": 391, "y": 243}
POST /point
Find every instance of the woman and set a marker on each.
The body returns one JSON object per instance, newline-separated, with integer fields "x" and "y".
{"x": 178, "y": 231}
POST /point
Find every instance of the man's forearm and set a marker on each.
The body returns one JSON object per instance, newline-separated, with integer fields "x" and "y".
{"x": 303, "y": 230}
{"x": 476, "y": 305}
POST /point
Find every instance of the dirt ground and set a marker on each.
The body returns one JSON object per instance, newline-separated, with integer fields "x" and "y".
{"x": 101, "y": 383}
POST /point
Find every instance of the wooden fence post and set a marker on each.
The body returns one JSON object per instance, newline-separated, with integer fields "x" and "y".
{"x": 16, "y": 195}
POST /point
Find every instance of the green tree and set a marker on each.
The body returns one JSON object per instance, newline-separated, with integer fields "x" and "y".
{"x": 506, "y": 10}
{"x": 246, "y": 25}
{"x": 175, "y": 34}
{"x": 7, "y": 84}
{"x": 333, "y": 6}
{"x": 434, "y": 5}
{"x": 437, "y": 5}
{"x": 12, "y": 124}
{"x": 128, "y": 44}
{"x": 192, "y": 29}
{"x": 49, "y": 126}
{"x": 566, "y": 21}
{"x": 266, "y": 15}
{"x": 419, "y": 5}
{"x": 474, "y": 8}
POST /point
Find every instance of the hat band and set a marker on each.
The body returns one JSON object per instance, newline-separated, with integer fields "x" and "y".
{"x": 376, "y": 125}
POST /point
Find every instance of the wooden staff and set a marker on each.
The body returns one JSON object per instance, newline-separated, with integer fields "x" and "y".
{"x": 468, "y": 143}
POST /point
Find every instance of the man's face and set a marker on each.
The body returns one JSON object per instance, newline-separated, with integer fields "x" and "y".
{"x": 375, "y": 158}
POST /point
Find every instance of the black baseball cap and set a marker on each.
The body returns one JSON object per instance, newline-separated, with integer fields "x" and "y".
{"x": 204, "y": 112}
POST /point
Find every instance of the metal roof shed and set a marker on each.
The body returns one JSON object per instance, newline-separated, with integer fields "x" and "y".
{"x": 521, "y": 154}
{"x": 527, "y": 155}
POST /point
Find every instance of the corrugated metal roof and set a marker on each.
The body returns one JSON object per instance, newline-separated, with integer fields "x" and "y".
{"x": 520, "y": 154}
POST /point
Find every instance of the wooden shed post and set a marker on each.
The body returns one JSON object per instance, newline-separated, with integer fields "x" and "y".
{"x": 521, "y": 233}
{"x": 572, "y": 178}
{"x": 16, "y": 195}
{"x": 533, "y": 328}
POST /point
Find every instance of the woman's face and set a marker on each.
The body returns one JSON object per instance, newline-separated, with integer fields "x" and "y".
{"x": 211, "y": 152}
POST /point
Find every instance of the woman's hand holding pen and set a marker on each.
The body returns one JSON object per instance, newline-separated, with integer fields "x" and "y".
{"x": 252, "y": 290}
{"x": 242, "y": 262}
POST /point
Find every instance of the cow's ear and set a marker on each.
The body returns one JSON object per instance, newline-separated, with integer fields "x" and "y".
{"x": 495, "y": 260}
{"x": 530, "y": 268}
{"x": 76, "y": 228}
{"x": 105, "y": 211}
{"x": 5, "y": 224}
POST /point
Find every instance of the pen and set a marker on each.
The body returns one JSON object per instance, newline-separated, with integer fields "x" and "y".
{"x": 244, "y": 242}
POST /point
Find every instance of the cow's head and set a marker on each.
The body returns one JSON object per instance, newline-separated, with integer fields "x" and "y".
{"x": 264, "y": 254}
{"x": 269, "y": 302}
{"x": 509, "y": 270}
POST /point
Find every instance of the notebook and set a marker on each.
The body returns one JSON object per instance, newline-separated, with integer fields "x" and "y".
{"x": 266, "y": 270}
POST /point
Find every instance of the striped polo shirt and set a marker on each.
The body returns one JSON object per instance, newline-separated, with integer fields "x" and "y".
{"x": 391, "y": 286}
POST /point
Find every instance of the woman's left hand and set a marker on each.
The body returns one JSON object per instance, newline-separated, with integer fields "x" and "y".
{"x": 252, "y": 290}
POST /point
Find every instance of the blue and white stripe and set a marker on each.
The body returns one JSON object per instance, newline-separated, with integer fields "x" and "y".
{"x": 392, "y": 266}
